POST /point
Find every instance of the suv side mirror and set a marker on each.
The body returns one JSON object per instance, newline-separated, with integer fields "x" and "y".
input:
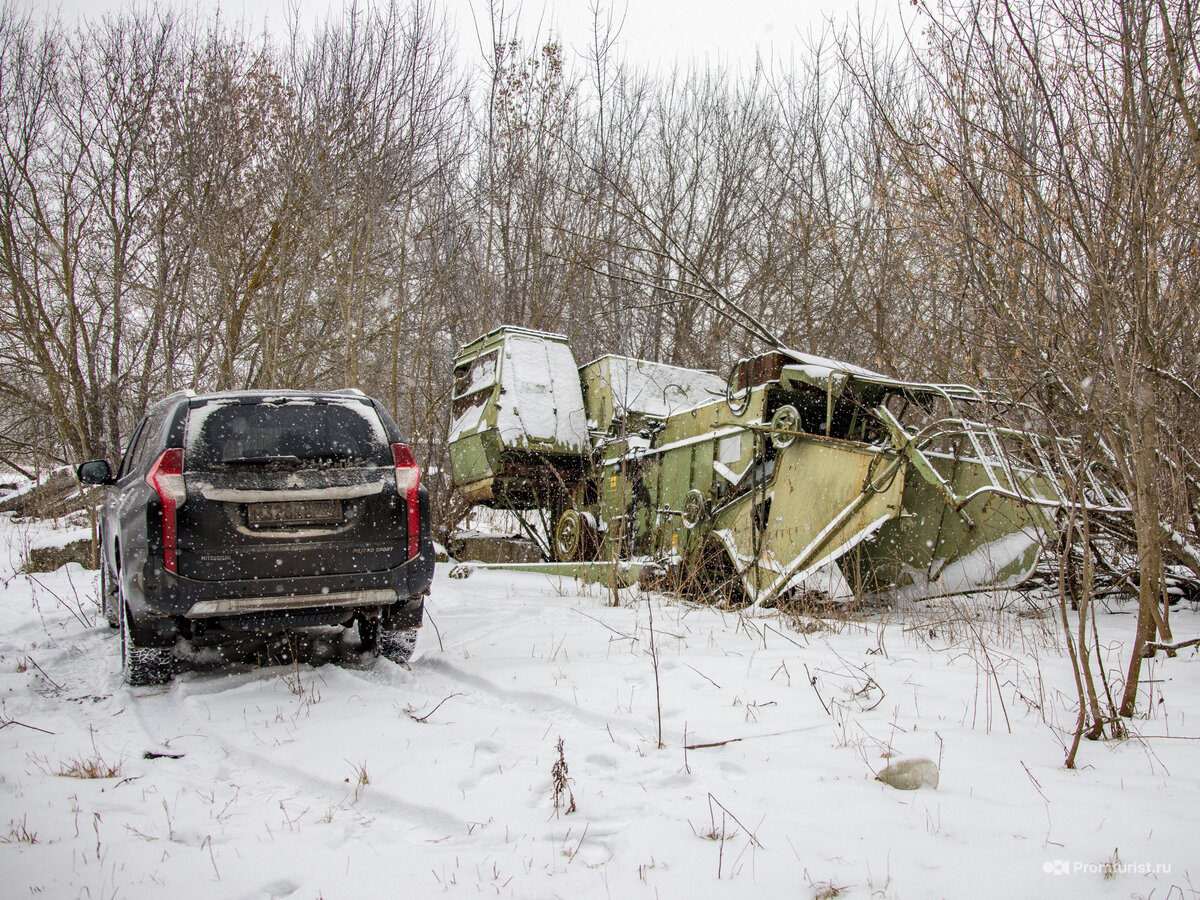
{"x": 95, "y": 471}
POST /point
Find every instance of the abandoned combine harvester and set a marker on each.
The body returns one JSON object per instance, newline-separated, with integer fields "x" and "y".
{"x": 794, "y": 471}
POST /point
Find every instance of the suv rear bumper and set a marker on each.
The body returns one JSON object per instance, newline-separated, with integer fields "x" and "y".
{"x": 233, "y": 606}
{"x": 168, "y": 601}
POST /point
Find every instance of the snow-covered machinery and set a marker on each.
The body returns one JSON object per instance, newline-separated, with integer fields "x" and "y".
{"x": 519, "y": 429}
{"x": 795, "y": 473}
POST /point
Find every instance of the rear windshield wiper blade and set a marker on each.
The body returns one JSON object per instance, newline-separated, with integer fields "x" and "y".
{"x": 259, "y": 460}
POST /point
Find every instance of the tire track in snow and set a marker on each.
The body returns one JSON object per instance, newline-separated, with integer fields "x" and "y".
{"x": 537, "y": 705}
{"x": 523, "y": 715}
{"x": 183, "y": 719}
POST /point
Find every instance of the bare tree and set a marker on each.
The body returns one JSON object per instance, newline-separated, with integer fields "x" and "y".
{"x": 1049, "y": 157}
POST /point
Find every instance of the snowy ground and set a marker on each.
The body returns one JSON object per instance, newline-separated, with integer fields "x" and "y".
{"x": 373, "y": 780}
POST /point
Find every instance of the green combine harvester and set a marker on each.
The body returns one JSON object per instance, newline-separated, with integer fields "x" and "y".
{"x": 795, "y": 474}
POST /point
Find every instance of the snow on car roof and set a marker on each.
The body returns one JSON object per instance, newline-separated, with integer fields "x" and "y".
{"x": 267, "y": 396}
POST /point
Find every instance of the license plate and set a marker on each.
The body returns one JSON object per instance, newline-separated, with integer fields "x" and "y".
{"x": 295, "y": 512}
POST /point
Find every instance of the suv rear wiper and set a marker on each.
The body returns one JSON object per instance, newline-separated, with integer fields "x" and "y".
{"x": 259, "y": 460}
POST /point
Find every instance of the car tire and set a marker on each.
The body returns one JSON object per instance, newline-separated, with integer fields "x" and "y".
{"x": 142, "y": 665}
{"x": 108, "y": 606}
{"x": 398, "y": 645}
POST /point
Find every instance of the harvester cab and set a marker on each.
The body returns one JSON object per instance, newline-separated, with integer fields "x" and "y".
{"x": 519, "y": 421}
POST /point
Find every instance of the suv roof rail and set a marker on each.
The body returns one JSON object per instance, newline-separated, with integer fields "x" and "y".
{"x": 181, "y": 394}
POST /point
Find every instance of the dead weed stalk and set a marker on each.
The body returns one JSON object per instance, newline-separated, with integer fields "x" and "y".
{"x": 564, "y": 797}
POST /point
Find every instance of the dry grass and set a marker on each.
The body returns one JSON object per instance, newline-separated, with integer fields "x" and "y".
{"x": 824, "y": 890}
{"x": 94, "y": 766}
{"x": 306, "y": 694}
{"x": 827, "y": 890}
{"x": 361, "y": 778}
{"x": 1111, "y": 866}
{"x": 19, "y": 833}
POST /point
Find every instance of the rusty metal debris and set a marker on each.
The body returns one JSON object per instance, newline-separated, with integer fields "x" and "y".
{"x": 794, "y": 475}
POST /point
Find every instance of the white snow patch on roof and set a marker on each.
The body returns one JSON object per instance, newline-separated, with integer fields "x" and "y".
{"x": 655, "y": 389}
{"x": 541, "y": 399}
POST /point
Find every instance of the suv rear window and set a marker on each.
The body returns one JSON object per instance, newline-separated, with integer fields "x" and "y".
{"x": 282, "y": 431}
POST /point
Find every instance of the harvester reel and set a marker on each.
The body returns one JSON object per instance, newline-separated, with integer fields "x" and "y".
{"x": 694, "y": 508}
{"x": 785, "y": 420}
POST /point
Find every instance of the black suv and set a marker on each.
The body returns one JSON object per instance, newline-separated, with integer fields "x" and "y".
{"x": 255, "y": 512}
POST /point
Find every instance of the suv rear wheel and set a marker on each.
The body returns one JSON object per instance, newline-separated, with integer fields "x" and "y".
{"x": 397, "y": 646}
{"x": 142, "y": 665}
{"x": 394, "y": 644}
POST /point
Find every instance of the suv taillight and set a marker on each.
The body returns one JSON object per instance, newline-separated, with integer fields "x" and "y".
{"x": 408, "y": 486}
{"x": 166, "y": 477}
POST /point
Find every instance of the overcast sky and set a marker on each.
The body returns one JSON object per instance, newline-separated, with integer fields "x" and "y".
{"x": 656, "y": 33}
